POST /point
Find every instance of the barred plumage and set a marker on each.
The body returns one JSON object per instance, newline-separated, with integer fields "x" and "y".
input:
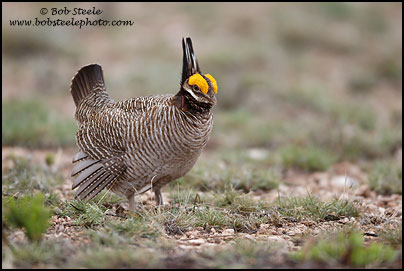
{"x": 141, "y": 143}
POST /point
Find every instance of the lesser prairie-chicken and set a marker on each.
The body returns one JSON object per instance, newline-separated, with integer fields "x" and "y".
{"x": 141, "y": 143}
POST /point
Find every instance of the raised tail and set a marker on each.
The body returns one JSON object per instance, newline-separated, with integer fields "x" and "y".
{"x": 88, "y": 79}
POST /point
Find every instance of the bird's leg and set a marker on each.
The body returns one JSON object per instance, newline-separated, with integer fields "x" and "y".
{"x": 132, "y": 202}
{"x": 158, "y": 197}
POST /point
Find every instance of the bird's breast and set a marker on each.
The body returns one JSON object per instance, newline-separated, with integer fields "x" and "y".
{"x": 165, "y": 142}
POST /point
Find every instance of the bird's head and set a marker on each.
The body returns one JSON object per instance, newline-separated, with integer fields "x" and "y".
{"x": 201, "y": 87}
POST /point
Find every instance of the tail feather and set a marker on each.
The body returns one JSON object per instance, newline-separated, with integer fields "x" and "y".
{"x": 79, "y": 167}
{"x": 87, "y": 173}
{"x": 90, "y": 182}
{"x": 87, "y": 80}
{"x": 92, "y": 176}
{"x": 96, "y": 186}
{"x": 79, "y": 156}
{"x": 107, "y": 182}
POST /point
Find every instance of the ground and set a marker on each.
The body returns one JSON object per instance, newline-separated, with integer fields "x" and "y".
{"x": 183, "y": 233}
{"x": 303, "y": 167}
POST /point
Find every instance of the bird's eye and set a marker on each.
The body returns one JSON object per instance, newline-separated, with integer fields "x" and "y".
{"x": 196, "y": 88}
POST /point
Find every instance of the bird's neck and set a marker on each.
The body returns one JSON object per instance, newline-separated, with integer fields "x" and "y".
{"x": 186, "y": 103}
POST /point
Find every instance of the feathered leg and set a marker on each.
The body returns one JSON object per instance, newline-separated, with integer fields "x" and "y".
{"x": 132, "y": 203}
{"x": 158, "y": 197}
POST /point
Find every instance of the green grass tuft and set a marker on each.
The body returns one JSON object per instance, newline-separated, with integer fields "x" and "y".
{"x": 240, "y": 175}
{"x": 307, "y": 158}
{"x": 29, "y": 213}
{"x": 393, "y": 237}
{"x": 124, "y": 257}
{"x": 311, "y": 208}
{"x": 208, "y": 217}
{"x": 24, "y": 177}
{"x": 51, "y": 253}
{"x": 386, "y": 178}
{"x": 86, "y": 214}
{"x": 137, "y": 226}
{"x": 347, "y": 249}
{"x": 236, "y": 201}
{"x": 242, "y": 254}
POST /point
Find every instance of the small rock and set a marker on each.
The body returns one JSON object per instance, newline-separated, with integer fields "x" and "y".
{"x": 309, "y": 223}
{"x": 249, "y": 237}
{"x": 264, "y": 229}
{"x": 191, "y": 234}
{"x": 228, "y": 232}
{"x": 257, "y": 154}
{"x": 280, "y": 240}
{"x": 293, "y": 233}
{"x": 264, "y": 226}
{"x": 344, "y": 181}
{"x": 197, "y": 242}
{"x": 185, "y": 247}
{"x": 382, "y": 210}
{"x": 344, "y": 220}
{"x": 371, "y": 233}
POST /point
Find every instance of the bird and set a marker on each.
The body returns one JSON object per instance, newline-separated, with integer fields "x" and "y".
{"x": 142, "y": 143}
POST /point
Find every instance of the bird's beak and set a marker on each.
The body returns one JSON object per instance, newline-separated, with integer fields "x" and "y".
{"x": 190, "y": 64}
{"x": 212, "y": 100}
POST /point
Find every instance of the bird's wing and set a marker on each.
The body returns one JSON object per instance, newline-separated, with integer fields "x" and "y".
{"x": 140, "y": 105}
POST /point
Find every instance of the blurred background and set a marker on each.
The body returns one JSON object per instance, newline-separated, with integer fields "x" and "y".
{"x": 301, "y": 86}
